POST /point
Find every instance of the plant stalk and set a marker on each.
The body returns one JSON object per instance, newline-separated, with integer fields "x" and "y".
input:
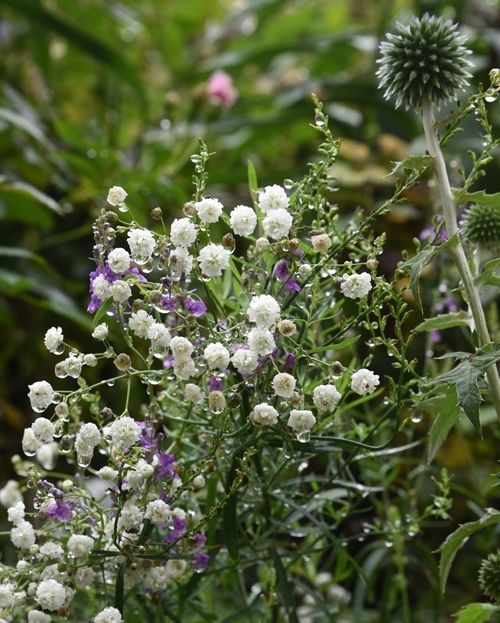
{"x": 457, "y": 251}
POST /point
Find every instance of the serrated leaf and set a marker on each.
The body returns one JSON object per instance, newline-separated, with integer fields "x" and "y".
{"x": 480, "y": 197}
{"x": 476, "y": 613}
{"x": 489, "y": 273}
{"x": 415, "y": 266}
{"x": 447, "y": 413}
{"x": 411, "y": 163}
{"x": 444, "y": 321}
{"x": 466, "y": 377}
{"x": 457, "y": 539}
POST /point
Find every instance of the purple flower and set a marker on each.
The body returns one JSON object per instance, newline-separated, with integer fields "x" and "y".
{"x": 435, "y": 336}
{"x": 135, "y": 271}
{"x": 289, "y": 360}
{"x": 199, "y": 540}
{"x": 281, "y": 270}
{"x": 164, "y": 468}
{"x": 94, "y": 303}
{"x": 292, "y": 286}
{"x": 215, "y": 384}
{"x": 179, "y": 528}
{"x": 168, "y": 362}
{"x": 169, "y": 302}
{"x": 59, "y": 510}
{"x": 147, "y": 439}
{"x": 195, "y": 308}
{"x": 201, "y": 561}
{"x": 429, "y": 233}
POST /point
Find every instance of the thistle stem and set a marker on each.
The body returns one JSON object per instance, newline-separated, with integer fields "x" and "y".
{"x": 457, "y": 251}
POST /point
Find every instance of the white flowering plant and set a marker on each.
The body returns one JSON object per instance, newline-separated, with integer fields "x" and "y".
{"x": 251, "y": 377}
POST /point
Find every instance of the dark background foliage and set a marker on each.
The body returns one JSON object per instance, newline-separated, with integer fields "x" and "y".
{"x": 95, "y": 93}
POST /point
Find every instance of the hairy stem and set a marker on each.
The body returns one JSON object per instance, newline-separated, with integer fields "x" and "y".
{"x": 458, "y": 253}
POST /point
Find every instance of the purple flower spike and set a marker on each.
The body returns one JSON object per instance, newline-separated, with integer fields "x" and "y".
{"x": 289, "y": 361}
{"x": 61, "y": 511}
{"x": 195, "y": 308}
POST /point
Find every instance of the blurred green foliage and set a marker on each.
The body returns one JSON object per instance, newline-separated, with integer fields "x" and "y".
{"x": 98, "y": 92}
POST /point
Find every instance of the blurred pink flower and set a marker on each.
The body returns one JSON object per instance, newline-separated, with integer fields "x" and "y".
{"x": 220, "y": 87}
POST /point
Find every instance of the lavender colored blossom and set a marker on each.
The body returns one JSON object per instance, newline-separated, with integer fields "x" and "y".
{"x": 195, "y": 308}
{"x": 169, "y": 302}
{"x": 291, "y": 285}
{"x": 201, "y": 561}
{"x": 215, "y": 384}
{"x": 281, "y": 270}
{"x": 164, "y": 468}
{"x": 289, "y": 361}
{"x": 60, "y": 511}
{"x": 179, "y": 528}
{"x": 435, "y": 336}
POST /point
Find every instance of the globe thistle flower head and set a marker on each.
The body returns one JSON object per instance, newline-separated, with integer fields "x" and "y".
{"x": 426, "y": 59}
{"x": 489, "y": 577}
{"x": 481, "y": 224}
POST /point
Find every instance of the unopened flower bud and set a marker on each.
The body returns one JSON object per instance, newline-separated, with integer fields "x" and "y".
{"x": 156, "y": 214}
{"x": 337, "y": 369}
{"x": 305, "y": 270}
{"x": 372, "y": 264}
{"x": 287, "y": 328}
{"x": 321, "y": 243}
{"x": 189, "y": 209}
{"x": 216, "y": 402}
{"x": 262, "y": 244}
{"x": 228, "y": 242}
{"x": 199, "y": 481}
{"x": 122, "y": 362}
{"x": 61, "y": 410}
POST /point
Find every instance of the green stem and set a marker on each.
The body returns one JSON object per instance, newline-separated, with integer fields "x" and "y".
{"x": 458, "y": 253}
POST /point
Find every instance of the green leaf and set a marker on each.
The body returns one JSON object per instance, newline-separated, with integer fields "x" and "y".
{"x": 284, "y": 589}
{"x": 446, "y": 414}
{"x": 101, "y": 312}
{"x": 99, "y": 50}
{"x": 336, "y": 345}
{"x": 479, "y": 197}
{"x": 466, "y": 377}
{"x": 489, "y": 273}
{"x": 415, "y": 266}
{"x": 119, "y": 588}
{"x": 27, "y": 189}
{"x": 445, "y": 321}
{"x": 26, "y": 125}
{"x": 411, "y": 163}
{"x": 476, "y": 613}
{"x": 252, "y": 179}
{"x": 458, "y": 538}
